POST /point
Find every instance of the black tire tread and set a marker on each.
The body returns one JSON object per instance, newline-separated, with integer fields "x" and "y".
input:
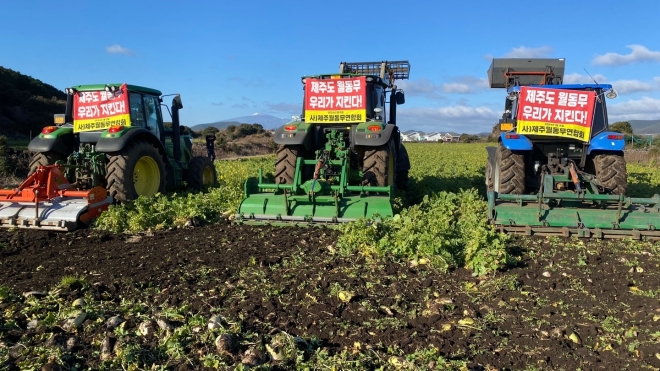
{"x": 512, "y": 171}
{"x": 375, "y": 165}
{"x": 44, "y": 159}
{"x": 402, "y": 179}
{"x": 285, "y": 165}
{"x": 611, "y": 173}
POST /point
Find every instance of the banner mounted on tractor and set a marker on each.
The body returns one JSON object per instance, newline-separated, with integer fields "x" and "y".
{"x": 99, "y": 110}
{"x": 556, "y": 112}
{"x": 336, "y": 100}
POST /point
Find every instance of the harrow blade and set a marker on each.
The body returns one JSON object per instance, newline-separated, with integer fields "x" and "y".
{"x": 59, "y": 214}
{"x": 627, "y": 218}
{"x": 272, "y": 209}
{"x": 44, "y": 201}
{"x": 288, "y": 206}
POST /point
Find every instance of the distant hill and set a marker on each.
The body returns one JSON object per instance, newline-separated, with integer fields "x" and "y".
{"x": 219, "y": 125}
{"x": 645, "y": 126}
{"x": 27, "y": 104}
{"x": 267, "y": 121}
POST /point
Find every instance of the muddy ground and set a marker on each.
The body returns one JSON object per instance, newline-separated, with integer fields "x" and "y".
{"x": 565, "y": 304}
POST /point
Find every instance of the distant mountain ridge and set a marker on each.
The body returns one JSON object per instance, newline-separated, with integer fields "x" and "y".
{"x": 27, "y": 104}
{"x": 265, "y": 120}
{"x": 645, "y": 126}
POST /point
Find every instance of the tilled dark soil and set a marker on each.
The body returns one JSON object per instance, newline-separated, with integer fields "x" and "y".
{"x": 564, "y": 305}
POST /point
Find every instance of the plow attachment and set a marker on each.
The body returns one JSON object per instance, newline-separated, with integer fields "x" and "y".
{"x": 582, "y": 213}
{"x": 44, "y": 201}
{"x": 314, "y": 202}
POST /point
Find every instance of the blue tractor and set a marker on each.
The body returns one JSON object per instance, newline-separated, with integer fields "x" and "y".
{"x": 557, "y": 169}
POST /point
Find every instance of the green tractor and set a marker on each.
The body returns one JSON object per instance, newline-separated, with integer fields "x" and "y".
{"x": 113, "y": 136}
{"x": 343, "y": 158}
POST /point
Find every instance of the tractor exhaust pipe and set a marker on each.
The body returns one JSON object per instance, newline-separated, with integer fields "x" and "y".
{"x": 176, "y": 127}
{"x": 392, "y": 118}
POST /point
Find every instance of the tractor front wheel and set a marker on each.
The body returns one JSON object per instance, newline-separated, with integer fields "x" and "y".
{"x": 136, "y": 170}
{"x": 509, "y": 171}
{"x": 45, "y": 159}
{"x": 201, "y": 173}
{"x": 378, "y": 167}
{"x": 611, "y": 173}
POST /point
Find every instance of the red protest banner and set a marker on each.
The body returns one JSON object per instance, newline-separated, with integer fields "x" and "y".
{"x": 98, "y": 110}
{"x": 556, "y": 112}
{"x": 342, "y": 100}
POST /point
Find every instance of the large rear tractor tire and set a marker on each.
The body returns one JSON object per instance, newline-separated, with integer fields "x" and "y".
{"x": 201, "y": 173}
{"x": 490, "y": 183}
{"x": 402, "y": 169}
{"x": 45, "y": 159}
{"x": 137, "y": 170}
{"x": 509, "y": 174}
{"x": 611, "y": 173}
{"x": 379, "y": 167}
{"x": 285, "y": 165}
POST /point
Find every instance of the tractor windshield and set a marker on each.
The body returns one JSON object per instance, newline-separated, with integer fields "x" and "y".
{"x": 600, "y": 123}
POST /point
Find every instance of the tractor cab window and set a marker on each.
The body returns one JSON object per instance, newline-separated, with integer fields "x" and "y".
{"x": 600, "y": 116}
{"x": 378, "y": 100}
{"x": 137, "y": 110}
{"x": 152, "y": 112}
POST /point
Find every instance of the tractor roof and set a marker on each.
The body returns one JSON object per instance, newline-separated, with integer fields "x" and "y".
{"x": 137, "y": 88}
{"x": 383, "y": 73}
{"x": 567, "y": 86}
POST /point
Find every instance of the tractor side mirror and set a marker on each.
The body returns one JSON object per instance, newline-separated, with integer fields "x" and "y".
{"x": 176, "y": 102}
{"x": 182, "y": 130}
{"x": 400, "y": 97}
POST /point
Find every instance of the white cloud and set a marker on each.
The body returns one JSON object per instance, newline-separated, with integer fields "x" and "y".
{"x": 639, "y": 53}
{"x": 633, "y": 86}
{"x": 421, "y": 87}
{"x": 645, "y": 108}
{"x": 118, "y": 49}
{"x": 465, "y": 85}
{"x": 456, "y": 87}
{"x": 621, "y": 86}
{"x": 576, "y": 78}
{"x": 525, "y": 52}
{"x": 459, "y": 118}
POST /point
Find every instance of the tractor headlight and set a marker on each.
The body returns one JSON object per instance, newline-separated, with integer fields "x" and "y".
{"x": 611, "y": 94}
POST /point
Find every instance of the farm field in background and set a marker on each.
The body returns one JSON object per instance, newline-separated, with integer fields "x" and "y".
{"x": 436, "y": 289}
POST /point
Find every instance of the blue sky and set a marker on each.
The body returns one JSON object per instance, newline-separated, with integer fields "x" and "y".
{"x": 230, "y": 59}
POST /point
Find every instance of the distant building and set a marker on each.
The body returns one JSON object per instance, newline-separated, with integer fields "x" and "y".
{"x": 411, "y": 137}
{"x": 451, "y": 137}
{"x": 434, "y": 137}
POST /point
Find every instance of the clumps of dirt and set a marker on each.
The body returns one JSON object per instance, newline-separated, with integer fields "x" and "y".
{"x": 285, "y": 296}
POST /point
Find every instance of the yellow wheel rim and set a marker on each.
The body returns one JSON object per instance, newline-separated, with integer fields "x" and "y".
{"x": 207, "y": 176}
{"x": 146, "y": 176}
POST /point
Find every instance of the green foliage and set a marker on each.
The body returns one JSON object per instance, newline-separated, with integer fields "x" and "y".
{"x": 450, "y": 230}
{"x": 172, "y": 210}
{"x": 244, "y": 130}
{"x": 622, "y": 127}
{"x": 211, "y": 130}
{"x": 469, "y": 138}
{"x": 27, "y": 104}
{"x": 4, "y": 166}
